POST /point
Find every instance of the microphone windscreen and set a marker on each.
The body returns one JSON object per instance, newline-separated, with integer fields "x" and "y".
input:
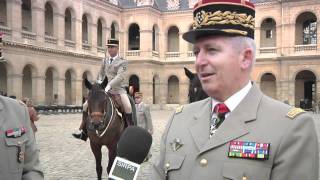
{"x": 134, "y": 144}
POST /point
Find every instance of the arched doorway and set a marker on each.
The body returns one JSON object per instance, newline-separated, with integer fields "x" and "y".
{"x": 268, "y": 85}
{"x": 49, "y": 87}
{"x": 27, "y": 82}
{"x": 3, "y": 79}
{"x": 134, "y": 81}
{"x": 173, "y": 90}
{"x": 305, "y": 89}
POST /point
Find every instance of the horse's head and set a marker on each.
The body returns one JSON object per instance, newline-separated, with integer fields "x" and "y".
{"x": 196, "y": 93}
{"x": 97, "y": 103}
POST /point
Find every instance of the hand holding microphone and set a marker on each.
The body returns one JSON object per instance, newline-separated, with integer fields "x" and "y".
{"x": 132, "y": 149}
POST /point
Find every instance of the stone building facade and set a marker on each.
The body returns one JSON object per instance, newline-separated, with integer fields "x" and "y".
{"x": 51, "y": 45}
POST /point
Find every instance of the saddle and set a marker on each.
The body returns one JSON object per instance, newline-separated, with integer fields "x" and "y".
{"x": 118, "y": 104}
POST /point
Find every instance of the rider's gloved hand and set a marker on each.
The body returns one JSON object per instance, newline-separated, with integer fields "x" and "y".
{"x": 107, "y": 88}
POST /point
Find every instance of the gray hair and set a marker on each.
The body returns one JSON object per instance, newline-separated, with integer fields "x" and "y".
{"x": 241, "y": 42}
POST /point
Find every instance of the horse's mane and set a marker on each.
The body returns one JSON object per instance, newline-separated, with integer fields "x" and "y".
{"x": 96, "y": 90}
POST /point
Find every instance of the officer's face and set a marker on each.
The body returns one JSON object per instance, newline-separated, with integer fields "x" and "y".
{"x": 138, "y": 100}
{"x": 113, "y": 50}
{"x": 218, "y": 64}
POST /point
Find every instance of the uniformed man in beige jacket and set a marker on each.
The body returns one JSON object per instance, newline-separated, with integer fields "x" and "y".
{"x": 143, "y": 113}
{"x": 19, "y": 154}
{"x": 238, "y": 132}
{"x": 115, "y": 69}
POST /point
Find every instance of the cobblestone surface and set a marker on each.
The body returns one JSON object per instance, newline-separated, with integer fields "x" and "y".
{"x": 65, "y": 158}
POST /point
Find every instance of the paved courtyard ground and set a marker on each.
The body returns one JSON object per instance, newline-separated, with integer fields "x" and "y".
{"x": 65, "y": 158}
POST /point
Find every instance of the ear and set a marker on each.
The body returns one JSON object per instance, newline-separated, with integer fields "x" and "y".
{"x": 188, "y": 73}
{"x": 87, "y": 83}
{"x": 247, "y": 59}
{"x": 104, "y": 82}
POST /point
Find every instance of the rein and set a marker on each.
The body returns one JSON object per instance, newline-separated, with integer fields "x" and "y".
{"x": 104, "y": 116}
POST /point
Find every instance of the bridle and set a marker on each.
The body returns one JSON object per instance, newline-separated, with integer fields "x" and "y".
{"x": 103, "y": 117}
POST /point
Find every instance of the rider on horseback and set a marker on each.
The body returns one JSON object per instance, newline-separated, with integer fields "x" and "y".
{"x": 115, "y": 68}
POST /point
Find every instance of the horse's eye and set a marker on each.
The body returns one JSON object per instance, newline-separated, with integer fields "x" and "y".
{"x": 195, "y": 89}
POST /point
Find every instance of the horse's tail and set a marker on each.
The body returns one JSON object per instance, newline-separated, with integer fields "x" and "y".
{"x": 134, "y": 112}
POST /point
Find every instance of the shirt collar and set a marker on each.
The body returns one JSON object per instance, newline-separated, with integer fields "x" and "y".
{"x": 113, "y": 58}
{"x": 233, "y": 101}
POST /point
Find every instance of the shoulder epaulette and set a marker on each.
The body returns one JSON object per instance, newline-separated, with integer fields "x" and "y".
{"x": 294, "y": 112}
{"x": 179, "y": 109}
{"x": 21, "y": 103}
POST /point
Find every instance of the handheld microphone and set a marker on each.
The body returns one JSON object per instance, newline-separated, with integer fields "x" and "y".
{"x": 132, "y": 149}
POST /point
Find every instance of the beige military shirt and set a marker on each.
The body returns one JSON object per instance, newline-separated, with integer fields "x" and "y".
{"x": 19, "y": 154}
{"x": 288, "y": 134}
{"x": 116, "y": 73}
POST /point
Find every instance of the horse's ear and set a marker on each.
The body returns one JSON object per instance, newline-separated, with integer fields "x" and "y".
{"x": 87, "y": 83}
{"x": 188, "y": 73}
{"x": 104, "y": 82}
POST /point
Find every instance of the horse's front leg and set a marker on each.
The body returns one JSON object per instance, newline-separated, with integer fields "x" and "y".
{"x": 96, "y": 149}
{"x": 112, "y": 155}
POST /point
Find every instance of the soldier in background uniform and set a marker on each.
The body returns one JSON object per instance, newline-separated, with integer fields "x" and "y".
{"x": 143, "y": 113}
{"x": 238, "y": 132}
{"x": 18, "y": 151}
{"x": 115, "y": 68}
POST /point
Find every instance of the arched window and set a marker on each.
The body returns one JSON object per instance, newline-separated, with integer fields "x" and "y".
{"x": 48, "y": 19}
{"x": 26, "y": 15}
{"x": 134, "y": 37}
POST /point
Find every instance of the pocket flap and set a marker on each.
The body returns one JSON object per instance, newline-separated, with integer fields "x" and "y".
{"x": 240, "y": 170}
{"x": 173, "y": 161}
{"x": 16, "y": 141}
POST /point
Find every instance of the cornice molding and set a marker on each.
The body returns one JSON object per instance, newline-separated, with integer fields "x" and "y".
{"x": 50, "y": 50}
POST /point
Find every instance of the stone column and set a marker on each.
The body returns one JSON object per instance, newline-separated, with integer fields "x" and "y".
{"x": 93, "y": 36}
{"x": 78, "y": 91}
{"x": 291, "y": 93}
{"x": 183, "y": 47}
{"x": 257, "y": 33}
{"x": 15, "y": 85}
{"x": 38, "y": 89}
{"x": 317, "y": 91}
{"x": 146, "y": 89}
{"x": 59, "y": 25}
{"x": 105, "y": 36}
{"x": 163, "y": 92}
{"x": 38, "y": 22}
{"x": 77, "y": 33}
{"x": 14, "y": 18}
{"x": 184, "y": 90}
{"x": 146, "y": 44}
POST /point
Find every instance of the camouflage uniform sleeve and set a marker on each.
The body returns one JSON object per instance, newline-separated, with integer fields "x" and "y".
{"x": 121, "y": 74}
{"x": 31, "y": 168}
{"x": 297, "y": 156}
{"x": 148, "y": 118}
{"x": 101, "y": 73}
{"x": 158, "y": 172}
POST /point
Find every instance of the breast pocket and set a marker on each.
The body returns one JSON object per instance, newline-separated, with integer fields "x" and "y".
{"x": 15, "y": 148}
{"x": 237, "y": 171}
{"x": 173, "y": 162}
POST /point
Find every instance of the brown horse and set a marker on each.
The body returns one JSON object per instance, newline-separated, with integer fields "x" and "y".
{"x": 104, "y": 123}
{"x": 196, "y": 93}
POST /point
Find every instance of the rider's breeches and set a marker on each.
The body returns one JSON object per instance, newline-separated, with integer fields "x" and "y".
{"x": 126, "y": 103}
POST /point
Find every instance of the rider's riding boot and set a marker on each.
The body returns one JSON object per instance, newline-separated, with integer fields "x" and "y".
{"x": 129, "y": 119}
{"x": 83, "y": 130}
{"x": 82, "y": 135}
